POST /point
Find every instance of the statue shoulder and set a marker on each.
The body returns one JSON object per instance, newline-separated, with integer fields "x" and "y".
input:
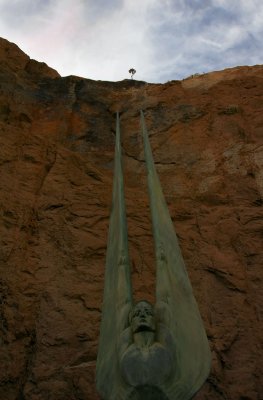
{"x": 165, "y": 336}
{"x": 163, "y": 313}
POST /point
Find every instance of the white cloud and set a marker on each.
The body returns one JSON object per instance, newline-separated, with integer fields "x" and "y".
{"x": 162, "y": 40}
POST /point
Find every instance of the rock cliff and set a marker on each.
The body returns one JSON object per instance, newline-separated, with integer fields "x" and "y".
{"x": 56, "y": 155}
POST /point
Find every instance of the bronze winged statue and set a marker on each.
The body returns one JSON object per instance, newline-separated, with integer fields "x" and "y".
{"x": 147, "y": 352}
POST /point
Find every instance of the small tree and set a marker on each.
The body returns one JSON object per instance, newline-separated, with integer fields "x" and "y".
{"x": 132, "y": 71}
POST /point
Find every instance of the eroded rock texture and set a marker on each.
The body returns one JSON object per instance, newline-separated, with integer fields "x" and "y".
{"x": 56, "y": 156}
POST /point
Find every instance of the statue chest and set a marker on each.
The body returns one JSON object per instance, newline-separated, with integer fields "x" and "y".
{"x": 146, "y": 366}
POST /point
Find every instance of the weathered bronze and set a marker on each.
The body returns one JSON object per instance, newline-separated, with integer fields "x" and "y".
{"x": 146, "y": 352}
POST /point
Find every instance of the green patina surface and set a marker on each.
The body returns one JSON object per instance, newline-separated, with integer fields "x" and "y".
{"x": 178, "y": 332}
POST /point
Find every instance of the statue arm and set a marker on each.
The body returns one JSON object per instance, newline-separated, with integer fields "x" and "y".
{"x": 163, "y": 284}
{"x": 124, "y": 302}
{"x": 124, "y": 342}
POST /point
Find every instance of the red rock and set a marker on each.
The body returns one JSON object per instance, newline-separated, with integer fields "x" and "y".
{"x": 56, "y": 156}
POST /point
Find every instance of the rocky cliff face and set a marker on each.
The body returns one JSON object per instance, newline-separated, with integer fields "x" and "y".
{"x": 56, "y": 156}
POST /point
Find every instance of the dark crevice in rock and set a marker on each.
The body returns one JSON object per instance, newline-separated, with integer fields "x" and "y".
{"x": 225, "y": 279}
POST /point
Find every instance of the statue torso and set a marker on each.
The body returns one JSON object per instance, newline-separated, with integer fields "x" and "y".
{"x": 146, "y": 365}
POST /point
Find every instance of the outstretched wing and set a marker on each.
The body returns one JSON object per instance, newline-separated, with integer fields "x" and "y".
{"x": 174, "y": 294}
{"x": 117, "y": 299}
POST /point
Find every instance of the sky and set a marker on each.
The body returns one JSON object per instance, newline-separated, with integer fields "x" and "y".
{"x": 162, "y": 39}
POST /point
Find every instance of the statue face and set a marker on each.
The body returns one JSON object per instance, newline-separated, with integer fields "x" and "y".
{"x": 142, "y": 317}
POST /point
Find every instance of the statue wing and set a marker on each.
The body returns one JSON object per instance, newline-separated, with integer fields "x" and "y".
{"x": 174, "y": 295}
{"x": 117, "y": 300}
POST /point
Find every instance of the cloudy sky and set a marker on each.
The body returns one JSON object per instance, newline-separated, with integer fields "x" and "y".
{"x": 162, "y": 39}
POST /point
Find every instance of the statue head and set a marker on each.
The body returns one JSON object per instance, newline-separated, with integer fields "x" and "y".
{"x": 142, "y": 317}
